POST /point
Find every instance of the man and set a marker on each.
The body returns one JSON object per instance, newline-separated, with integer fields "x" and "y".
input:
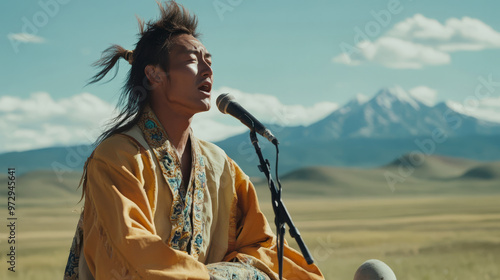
{"x": 159, "y": 203}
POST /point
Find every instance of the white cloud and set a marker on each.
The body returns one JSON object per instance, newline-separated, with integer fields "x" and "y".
{"x": 208, "y": 129}
{"x": 485, "y": 109}
{"x": 40, "y": 121}
{"x": 419, "y": 41}
{"x": 394, "y": 53}
{"x": 421, "y": 28}
{"x": 269, "y": 109}
{"x": 466, "y": 34}
{"x": 424, "y": 94}
{"x": 214, "y": 125}
{"x": 25, "y": 38}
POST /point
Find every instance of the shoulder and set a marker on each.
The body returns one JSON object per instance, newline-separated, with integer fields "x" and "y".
{"x": 218, "y": 160}
{"x": 210, "y": 150}
{"x": 118, "y": 148}
{"x": 215, "y": 158}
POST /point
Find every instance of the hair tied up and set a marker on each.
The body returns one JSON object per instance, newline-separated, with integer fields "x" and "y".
{"x": 129, "y": 56}
{"x": 155, "y": 39}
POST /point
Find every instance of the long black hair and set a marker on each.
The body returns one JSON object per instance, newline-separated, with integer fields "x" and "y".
{"x": 155, "y": 39}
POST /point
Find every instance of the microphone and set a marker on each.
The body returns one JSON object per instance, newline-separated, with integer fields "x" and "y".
{"x": 227, "y": 105}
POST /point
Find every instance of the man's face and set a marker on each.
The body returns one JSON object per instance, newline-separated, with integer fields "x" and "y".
{"x": 187, "y": 88}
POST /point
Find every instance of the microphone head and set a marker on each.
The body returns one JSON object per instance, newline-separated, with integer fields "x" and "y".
{"x": 223, "y": 101}
{"x": 374, "y": 270}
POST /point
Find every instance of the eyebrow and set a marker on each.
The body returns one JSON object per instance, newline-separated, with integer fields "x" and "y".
{"x": 191, "y": 51}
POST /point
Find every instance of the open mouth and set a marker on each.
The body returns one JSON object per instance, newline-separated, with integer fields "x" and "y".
{"x": 205, "y": 87}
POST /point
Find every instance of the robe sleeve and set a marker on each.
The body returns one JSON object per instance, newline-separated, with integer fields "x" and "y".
{"x": 255, "y": 242}
{"x": 120, "y": 240}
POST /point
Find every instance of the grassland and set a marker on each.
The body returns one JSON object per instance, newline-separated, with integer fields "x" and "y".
{"x": 420, "y": 238}
{"x": 427, "y": 227}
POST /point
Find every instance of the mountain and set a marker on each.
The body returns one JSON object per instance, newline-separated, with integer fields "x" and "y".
{"x": 393, "y": 113}
{"x": 390, "y": 113}
{"x": 365, "y": 132}
{"x": 372, "y": 132}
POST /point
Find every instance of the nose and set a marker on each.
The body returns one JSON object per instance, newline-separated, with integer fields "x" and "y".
{"x": 206, "y": 70}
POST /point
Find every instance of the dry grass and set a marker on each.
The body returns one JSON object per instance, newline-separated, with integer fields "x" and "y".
{"x": 44, "y": 233}
{"x": 438, "y": 237}
{"x": 420, "y": 238}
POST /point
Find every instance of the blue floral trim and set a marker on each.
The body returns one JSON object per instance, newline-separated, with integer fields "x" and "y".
{"x": 187, "y": 205}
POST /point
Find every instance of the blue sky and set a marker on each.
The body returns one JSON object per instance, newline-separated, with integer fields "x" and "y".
{"x": 286, "y": 53}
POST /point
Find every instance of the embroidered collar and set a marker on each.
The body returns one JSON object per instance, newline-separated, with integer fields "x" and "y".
{"x": 186, "y": 212}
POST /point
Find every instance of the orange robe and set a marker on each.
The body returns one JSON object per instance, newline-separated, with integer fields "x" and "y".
{"x": 138, "y": 225}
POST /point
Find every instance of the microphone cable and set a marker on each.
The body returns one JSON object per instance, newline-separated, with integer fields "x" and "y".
{"x": 276, "y": 171}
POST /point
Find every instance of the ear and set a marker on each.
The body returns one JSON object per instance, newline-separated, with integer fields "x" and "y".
{"x": 153, "y": 73}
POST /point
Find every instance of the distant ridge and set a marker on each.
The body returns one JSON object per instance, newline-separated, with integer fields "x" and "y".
{"x": 57, "y": 159}
{"x": 432, "y": 166}
{"x": 311, "y": 174}
{"x": 488, "y": 171}
{"x": 473, "y": 178}
{"x": 318, "y": 181}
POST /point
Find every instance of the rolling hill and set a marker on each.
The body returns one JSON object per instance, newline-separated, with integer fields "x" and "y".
{"x": 488, "y": 171}
{"x": 435, "y": 176}
{"x": 433, "y": 167}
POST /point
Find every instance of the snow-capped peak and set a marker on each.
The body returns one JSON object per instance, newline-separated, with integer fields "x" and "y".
{"x": 361, "y": 98}
{"x": 424, "y": 95}
{"x": 387, "y": 96}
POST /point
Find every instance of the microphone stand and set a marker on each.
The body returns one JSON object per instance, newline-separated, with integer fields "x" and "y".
{"x": 281, "y": 214}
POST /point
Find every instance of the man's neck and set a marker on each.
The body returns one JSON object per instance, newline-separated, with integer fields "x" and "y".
{"x": 178, "y": 128}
